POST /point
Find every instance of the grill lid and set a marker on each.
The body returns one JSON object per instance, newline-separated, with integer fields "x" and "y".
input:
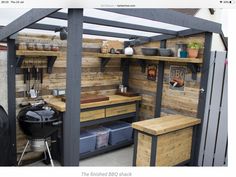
{"x": 38, "y": 113}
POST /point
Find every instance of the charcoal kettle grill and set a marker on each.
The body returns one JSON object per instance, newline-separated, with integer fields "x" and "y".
{"x": 38, "y": 123}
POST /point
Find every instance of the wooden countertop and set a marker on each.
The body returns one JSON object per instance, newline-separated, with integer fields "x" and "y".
{"x": 113, "y": 99}
{"x": 165, "y": 124}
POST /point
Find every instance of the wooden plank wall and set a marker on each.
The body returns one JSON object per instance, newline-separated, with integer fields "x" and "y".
{"x": 173, "y": 101}
{"x": 93, "y": 81}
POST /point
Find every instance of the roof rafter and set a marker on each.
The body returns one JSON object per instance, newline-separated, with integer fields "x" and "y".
{"x": 25, "y": 20}
{"x": 85, "y": 31}
{"x": 111, "y": 23}
{"x": 171, "y": 17}
{"x": 145, "y": 40}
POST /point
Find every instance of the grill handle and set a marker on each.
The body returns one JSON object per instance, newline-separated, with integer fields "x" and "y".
{"x": 57, "y": 123}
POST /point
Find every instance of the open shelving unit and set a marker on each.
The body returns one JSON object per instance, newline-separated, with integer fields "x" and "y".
{"x": 192, "y": 63}
{"x": 50, "y": 55}
{"x": 143, "y": 57}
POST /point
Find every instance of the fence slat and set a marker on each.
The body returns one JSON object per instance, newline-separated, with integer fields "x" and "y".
{"x": 214, "y": 109}
{"x": 223, "y": 126}
{"x": 208, "y": 98}
{"x": 226, "y": 158}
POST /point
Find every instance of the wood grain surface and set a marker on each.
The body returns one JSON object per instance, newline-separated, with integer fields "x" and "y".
{"x": 113, "y": 99}
{"x": 165, "y": 124}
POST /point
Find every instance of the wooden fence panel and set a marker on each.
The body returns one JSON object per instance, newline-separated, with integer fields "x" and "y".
{"x": 208, "y": 99}
{"x": 222, "y": 135}
{"x": 213, "y": 145}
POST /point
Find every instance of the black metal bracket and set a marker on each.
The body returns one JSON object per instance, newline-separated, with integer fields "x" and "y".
{"x": 194, "y": 69}
{"x": 143, "y": 65}
{"x": 104, "y": 62}
{"x": 50, "y": 63}
{"x": 19, "y": 61}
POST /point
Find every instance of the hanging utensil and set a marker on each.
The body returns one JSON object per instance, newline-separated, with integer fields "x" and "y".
{"x": 25, "y": 80}
{"x": 41, "y": 80}
{"x": 33, "y": 93}
{"x": 41, "y": 73}
{"x": 37, "y": 80}
{"x": 28, "y": 82}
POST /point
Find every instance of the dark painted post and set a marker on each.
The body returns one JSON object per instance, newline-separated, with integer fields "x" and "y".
{"x": 71, "y": 122}
{"x": 161, "y": 67}
{"x": 125, "y": 76}
{"x": 11, "y": 88}
{"x": 203, "y": 92}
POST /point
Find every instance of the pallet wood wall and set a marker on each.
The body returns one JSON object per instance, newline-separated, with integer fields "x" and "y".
{"x": 93, "y": 81}
{"x": 181, "y": 102}
{"x": 3, "y": 78}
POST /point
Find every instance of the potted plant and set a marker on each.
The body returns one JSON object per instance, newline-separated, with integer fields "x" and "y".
{"x": 193, "y": 49}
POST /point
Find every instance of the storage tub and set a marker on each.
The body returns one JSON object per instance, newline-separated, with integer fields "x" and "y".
{"x": 119, "y": 131}
{"x": 102, "y": 136}
{"x": 87, "y": 142}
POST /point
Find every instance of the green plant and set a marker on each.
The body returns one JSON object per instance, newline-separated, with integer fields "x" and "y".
{"x": 194, "y": 45}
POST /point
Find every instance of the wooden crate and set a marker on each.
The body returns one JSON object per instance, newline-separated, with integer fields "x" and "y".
{"x": 172, "y": 148}
{"x": 119, "y": 110}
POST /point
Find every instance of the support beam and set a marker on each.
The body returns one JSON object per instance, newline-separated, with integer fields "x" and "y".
{"x": 159, "y": 87}
{"x": 109, "y": 34}
{"x": 202, "y": 94}
{"x": 224, "y": 40}
{"x": 153, "y": 151}
{"x": 25, "y": 20}
{"x": 47, "y": 27}
{"x": 171, "y": 17}
{"x": 141, "y": 41}
{"x": 11, "y": 88}
{"x": 111, "y": 23}
{"x": 189, "y": 32}
{"x": 98, "y": 21}
{"x": 71, "y": 123}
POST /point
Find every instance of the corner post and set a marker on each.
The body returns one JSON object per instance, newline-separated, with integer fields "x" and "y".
{"x": 203, "y": 94}
{"x": 159, "y": 88}
{"x": 71, "y": 122}
{"x": 11, "y": 87}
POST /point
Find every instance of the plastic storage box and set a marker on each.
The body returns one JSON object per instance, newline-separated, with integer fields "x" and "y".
{"x": 87, "y": 142}
{"x": 102, "y": 136}
{"x": 119, "y": 131}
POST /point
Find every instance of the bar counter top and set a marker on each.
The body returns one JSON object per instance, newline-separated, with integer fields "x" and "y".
{"x": 166, "y": 124}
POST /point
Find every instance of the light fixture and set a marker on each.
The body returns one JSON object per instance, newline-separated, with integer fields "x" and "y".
{"x": 63, "y": 32}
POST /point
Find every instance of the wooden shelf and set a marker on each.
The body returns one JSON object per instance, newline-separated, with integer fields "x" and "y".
{"x": 143, "y": 57}
{"x": 50, "y": 55}
{"x": 36, "y": 53}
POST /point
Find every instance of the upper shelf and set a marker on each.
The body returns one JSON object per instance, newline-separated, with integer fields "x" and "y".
{"x": 36, "y": 53}
{"x": 50, "y": 55}
{"x": 143, "y": 57}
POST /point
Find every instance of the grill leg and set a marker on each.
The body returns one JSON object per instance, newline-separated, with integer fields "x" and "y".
{"x": 50, "y": 157}
{"x": 27, "y": 144}
{"x": 45, "y": 155}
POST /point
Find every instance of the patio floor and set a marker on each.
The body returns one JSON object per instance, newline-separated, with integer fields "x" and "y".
{"x": 121, "y": 157}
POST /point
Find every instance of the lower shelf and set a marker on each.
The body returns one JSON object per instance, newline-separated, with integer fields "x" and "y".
{"x": 106, "y": 149}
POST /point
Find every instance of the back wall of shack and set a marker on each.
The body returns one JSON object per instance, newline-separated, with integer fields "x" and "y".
{"x": 97, "y": 82}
